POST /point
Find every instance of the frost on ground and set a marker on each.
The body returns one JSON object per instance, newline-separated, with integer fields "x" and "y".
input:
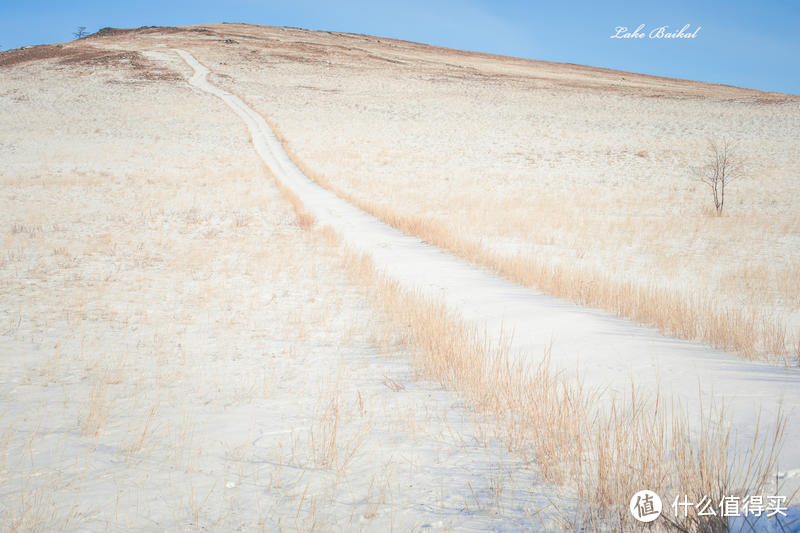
{"x": 179, "y": 354}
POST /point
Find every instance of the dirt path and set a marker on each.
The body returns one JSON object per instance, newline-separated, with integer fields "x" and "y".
{"x": 605, "y": 350}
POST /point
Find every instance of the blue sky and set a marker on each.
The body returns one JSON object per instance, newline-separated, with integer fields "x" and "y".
{"x": 749, "y": 44}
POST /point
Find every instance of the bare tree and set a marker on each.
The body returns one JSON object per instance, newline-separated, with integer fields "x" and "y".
{"x": 80, "y": 33}
{"x": 723, "y": 167}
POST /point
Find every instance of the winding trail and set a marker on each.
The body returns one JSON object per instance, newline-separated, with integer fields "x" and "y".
{"x": 605, "y": 350}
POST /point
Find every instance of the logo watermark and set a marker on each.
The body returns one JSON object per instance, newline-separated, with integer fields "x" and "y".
{"x": 661, "y": 32}
{"x": 645, "y": 506}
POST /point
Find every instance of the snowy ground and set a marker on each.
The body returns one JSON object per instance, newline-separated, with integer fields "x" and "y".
{"x": 606, "y": 352}
{"x": 132, "y": 246}
{"x": 178, "y": 354}
{"x": 583, "y": 168}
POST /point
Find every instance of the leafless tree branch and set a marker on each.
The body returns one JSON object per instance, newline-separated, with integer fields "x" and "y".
{"x": 723, "y": 167}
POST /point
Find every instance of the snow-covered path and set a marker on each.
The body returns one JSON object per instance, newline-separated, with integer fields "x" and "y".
{"x": 605, "y": 350}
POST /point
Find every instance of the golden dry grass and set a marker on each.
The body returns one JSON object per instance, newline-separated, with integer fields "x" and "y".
{"x": 174, "y": 336}
{"x": 751, "y": 332}
{"x": 608, "y": 454}
{"x": 573, "y": 180}
{"x": 211, "y": 228}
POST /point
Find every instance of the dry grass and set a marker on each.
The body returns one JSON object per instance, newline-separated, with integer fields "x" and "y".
{"x": 167, "y": 284}
{"x": 153, "y": 351}
{"x": 751, "y": 332}
{"x": 97, "y": 409}
{"x": 36, "y": 512}
{"x": 332, "y": 448}
{"x": 608, "y": 454}
{"x": 574, "y": 439}
{"x": 142, "y": 435}
{"x": 304, "y": 218}
{"x": 545, "y": 174}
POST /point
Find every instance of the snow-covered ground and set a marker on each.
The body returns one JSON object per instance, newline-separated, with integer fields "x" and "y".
{"x": 606, "y": 352}
{"x": 170, "y": 325}
{"x": 178, "y": 354}
{"x": 592, "y": 170}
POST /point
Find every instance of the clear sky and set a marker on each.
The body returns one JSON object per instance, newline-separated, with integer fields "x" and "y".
{"x": 749, "y": 44}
